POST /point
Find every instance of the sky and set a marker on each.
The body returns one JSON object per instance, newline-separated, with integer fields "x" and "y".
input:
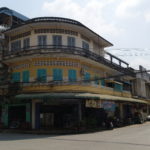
{"x": 125, "y": 23}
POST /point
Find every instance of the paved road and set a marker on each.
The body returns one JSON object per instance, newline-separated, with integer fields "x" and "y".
{"x": 136, "y": 137}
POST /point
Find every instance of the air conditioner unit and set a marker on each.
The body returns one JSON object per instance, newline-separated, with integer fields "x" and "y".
{"x": 82, "y": 71}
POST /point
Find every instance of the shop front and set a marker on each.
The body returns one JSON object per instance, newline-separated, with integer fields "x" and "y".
{"x": 60, "y": 115}
{"x": 16, "y": 115}
{"x": 100, "y": 111}
{"x": 57, "y": 113}
{"x": 69, "y": 110}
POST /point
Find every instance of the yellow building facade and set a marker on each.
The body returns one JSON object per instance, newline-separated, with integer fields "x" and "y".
{"x": 60, "y": 67}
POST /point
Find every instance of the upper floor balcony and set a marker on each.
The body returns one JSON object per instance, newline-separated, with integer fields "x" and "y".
{"x": 67, "y": 87}
{"x": 107, "y": 60}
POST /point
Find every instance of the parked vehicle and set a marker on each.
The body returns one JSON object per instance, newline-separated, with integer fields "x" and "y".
{"x": 148, "y": 118}
{"x": 138, "y": 118}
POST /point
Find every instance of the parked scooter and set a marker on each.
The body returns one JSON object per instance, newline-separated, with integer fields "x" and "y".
{"x": 15, "y": 125}
{"x": 109, "y": 123}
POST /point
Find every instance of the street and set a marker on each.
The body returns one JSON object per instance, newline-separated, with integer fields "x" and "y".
{"x": 135, "y": 137}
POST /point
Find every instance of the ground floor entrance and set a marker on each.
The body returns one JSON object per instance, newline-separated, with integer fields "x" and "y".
{"x": 16, "y": 115}
{"x": 52, "y": 111}
{"x": 62, "y": 114}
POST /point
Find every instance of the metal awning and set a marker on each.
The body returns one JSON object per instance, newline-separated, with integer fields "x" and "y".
{"x": 118, "y": 98}
{"x": 85, "y": 96}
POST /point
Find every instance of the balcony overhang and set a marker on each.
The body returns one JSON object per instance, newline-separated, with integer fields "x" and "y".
{"x": 52, "y": 49}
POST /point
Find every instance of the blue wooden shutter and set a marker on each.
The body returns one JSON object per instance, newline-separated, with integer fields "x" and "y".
{"x": 96, "y": 81}
{"x": 41, "y": 75}
{"x": 87, "y": 76}
{"x": 57, "y": 74}
{"x": 118, "y": 87}
{"x": 25, "y": 76}
{"x": 72, "y": 75}
{"x": 16, "y": 77}
{"x": 103, "y": 82}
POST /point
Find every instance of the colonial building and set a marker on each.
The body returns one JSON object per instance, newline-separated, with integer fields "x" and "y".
{"x": 62, "y": 76}
{"x": 141, "y": 84}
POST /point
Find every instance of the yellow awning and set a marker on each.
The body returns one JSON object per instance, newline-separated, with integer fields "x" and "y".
{"x": 112, "y": 81}
{"x": 85, "y": 96}
{"x": 115, "y": 98}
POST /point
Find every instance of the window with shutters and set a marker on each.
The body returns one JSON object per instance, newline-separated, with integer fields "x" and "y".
{"x": 42, "y": 40}
{"x": 16, "y": 77}
{"x": 57, "y": 40}
{"x": 103, "y": 82}
{"x": 25, "y": 76}
{"x": 57, "y": 74}
{"x": 72, "y": 75}
{"x": 96, "y": 80}
{"x": 118, "y": 87}
{"x": 26, "y": 43}
{"x": 85, "y": 45}
{"x": 71, "y": 41}
{"x": 15, "y": 46}
{"x": 41, "y": 75}
{"x": 87, "y": 77}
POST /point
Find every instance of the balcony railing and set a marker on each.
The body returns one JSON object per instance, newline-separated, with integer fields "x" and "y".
{"x": 59, "y": 86}
{"x": 61, "y": 83}
{"x": 45, "y": 49}
{"x": 54, "y": 19}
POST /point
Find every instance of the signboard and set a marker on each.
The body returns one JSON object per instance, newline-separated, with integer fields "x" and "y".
{"x": 93, "y": 103}
{"x": 109, "y": 106}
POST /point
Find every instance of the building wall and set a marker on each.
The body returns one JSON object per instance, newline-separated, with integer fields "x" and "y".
{"x": 98, "y": 49}
{"x": 38, "y": 61}
{"x": 141, "y": 86}
{"x": 81, "y": 67}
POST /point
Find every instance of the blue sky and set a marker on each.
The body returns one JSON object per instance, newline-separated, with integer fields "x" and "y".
{"x": 125, "y": 23}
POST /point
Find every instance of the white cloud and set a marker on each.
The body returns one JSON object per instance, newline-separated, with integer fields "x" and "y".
{"x": 140, "y": 61}
{"x": 103, "y": 16}
{"x": 147, "y": 16}
{"x": 91, "y": 14}
{"x": 135, "y": 61}
{"x": 126, "y": 8}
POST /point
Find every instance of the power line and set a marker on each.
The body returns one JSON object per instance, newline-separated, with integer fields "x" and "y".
{"x": 132, "y": 54}
{"x": 128, "y": 49}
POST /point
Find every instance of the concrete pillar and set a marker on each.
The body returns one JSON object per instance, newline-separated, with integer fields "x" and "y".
{"x": 148, "y": 110}
{"x": 28, "y": 113}
{"x": 121, "y": 110}
{"x": 4, "y": 118}
{"x": 79, "y": 111}
{"x": 34, "y": 119}
{"x": 33, "y": 114}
